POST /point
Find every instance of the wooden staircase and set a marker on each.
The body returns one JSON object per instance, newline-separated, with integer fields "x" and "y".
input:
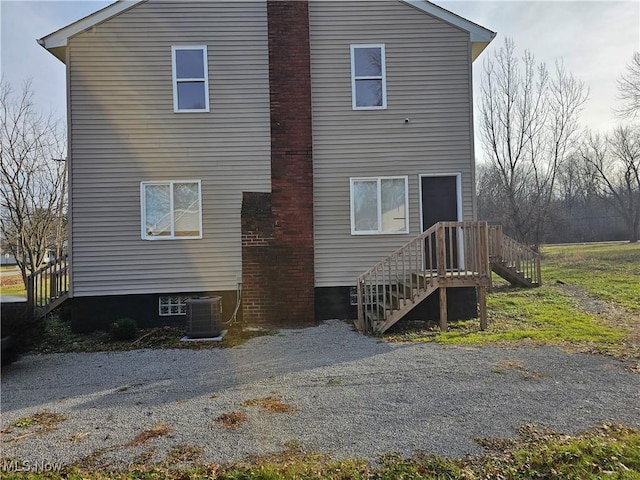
{"x": 447, "y": 255}
{"x": 516, "y": 263}
{"x": 48, "y": 287}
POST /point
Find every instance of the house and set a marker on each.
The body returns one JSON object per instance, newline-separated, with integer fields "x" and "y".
{"x": 277, "y": 148}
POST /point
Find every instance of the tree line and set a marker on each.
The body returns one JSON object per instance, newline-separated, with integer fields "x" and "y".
{"x": 544, "y": 177}
{"x": 595, "y": 196}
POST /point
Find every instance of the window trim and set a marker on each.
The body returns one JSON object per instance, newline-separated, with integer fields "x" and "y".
{"x": 382, "y": 77}
{"x": 352, "y": 181}
{"x": 176, "y": 80}
{"x": 143, "y": 210}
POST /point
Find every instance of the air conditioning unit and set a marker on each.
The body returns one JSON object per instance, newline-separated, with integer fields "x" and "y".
{"x": 204, "y": 316}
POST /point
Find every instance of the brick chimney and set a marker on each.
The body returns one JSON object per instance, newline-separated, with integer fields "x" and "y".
{"x": 288, "y": 261}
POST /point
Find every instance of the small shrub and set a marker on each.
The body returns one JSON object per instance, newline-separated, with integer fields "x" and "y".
{"x": 123, "y": 329}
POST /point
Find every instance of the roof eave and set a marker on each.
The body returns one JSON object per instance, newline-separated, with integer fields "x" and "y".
{"x": 57, "y": 41}
{"x": 480, "y": 36}
{"x": 477, "y": 48}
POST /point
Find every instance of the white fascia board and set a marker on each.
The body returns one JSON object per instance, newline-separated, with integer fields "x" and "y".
{"x": 57, "y": 41}
{"x": 480, "y": 37}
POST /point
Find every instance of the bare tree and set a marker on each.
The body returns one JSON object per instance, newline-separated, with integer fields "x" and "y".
{"x": 528, "y": 127}
{"x": 571, "y": 184}
{"x": 32, "y": 200}
{"x": 491, "y": 196}
{"x": 581, "y": 210}
{"x": 615, "y": 161}
{"x": 629, "y": 89}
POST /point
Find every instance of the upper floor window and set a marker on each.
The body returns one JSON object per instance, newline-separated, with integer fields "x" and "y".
{"x": 379, "y": 205}
{"x": 368, "y": 77}
{"x": 171, "y": 209}
{"x": 190, "y": 78}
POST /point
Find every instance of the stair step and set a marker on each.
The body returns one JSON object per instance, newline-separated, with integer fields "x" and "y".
{"x": 384, "y": 305}
{"x": 402, "y": 300}
{"x": 410, "y": 290}
{"x": 374, "y": 316}
{"x": 513, "y": 276}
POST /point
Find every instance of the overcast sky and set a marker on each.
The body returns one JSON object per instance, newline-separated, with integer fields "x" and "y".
{"x": 595, "y": 39}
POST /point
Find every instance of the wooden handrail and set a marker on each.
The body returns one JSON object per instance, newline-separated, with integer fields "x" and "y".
{"x": 47, "y": 284}
{"x": 512, "y": 254}
{"x": 447, "y": 252}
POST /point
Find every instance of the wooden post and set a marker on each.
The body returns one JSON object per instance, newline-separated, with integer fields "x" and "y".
{"x": 482, "y": 304}
{"x": 31, "y": 298}
{"x": 484, "y": 249}
{"x": 53, "y": 284}
{"x": 443, "y": 309}
{"x": 360, "y": 293}
{"x": 441, "y": 247}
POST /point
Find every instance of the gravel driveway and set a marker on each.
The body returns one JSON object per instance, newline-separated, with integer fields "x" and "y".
{"x": 351, "y": 396}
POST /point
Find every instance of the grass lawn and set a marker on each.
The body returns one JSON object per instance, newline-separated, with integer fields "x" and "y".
{"x": 16, "y": 289}
{"x": 12, "y": 284}
{"x": 4, "y": 268}
{"x": 589, "y": 301}
{"x": 609, "y": 451}
{"x": 608, "y": 271}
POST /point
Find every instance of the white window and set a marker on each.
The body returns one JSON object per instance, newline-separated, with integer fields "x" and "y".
{"x": 368, "y": 77}
{"x": 172, "y": 305}
{"x": 171, "y": 209}
{"x": 190, "y": 79}
{"x": 379, "y": 205}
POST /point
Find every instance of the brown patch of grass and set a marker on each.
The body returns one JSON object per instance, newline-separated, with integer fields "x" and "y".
{"x": 516, "y": 366}
{"x": 145, "y": 457}
{"x": 158, "y": 430}
{"x": 269, "y": 404}
{"x": 95, "y": 460}
{"x": 11, "y": 283}
{"x": 231, "y": 420}
{"x": 44, "y": 420}
{"x": 184, "y": 453}
{"x": 37, "y": 424}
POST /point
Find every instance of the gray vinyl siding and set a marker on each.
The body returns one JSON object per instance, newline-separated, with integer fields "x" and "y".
{"x": 124, "y": 131}
{"x": 428, "y": 82}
